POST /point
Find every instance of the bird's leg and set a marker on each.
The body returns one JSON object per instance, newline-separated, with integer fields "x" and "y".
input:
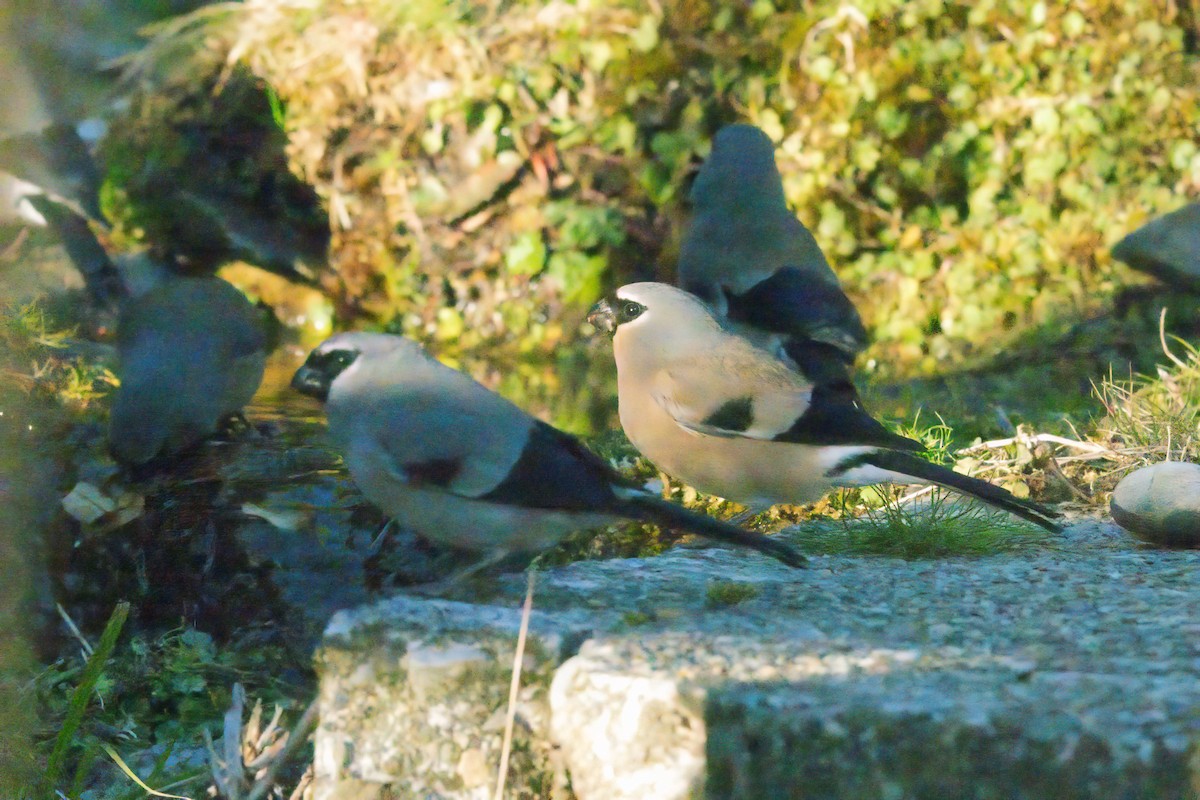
{"x": 238, "y": 427}
{"x": 13, "y": 250}
{"x": 234, "y": 424}
{"x": 461, "y": 576}
{"x": 379, "y": 537}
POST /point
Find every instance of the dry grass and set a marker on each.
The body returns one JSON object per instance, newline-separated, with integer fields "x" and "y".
{"x": 437, "y": 134}
{"x": 1146, "y": 419}
{"x": 1150, "y": 419}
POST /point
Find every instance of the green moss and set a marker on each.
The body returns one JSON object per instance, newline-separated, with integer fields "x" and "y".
{"x": 636, "y": 619}
{"x": 720, "y": 594}
{"x": 966, "y": 186}
{"x": 43, "y": 364}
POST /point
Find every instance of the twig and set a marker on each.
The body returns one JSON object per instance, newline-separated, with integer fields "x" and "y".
{"x": 83, "y": 642}
{"x": 296, "y": 738}
{"x": 303, "y": 786}
{"x": 1109, "y": 455}
{"x": 264, "y": 738}
{"x": 226, "y": 767}
{"x": 911, "y": 496}
{"x": 1039, "y": 438}
{"x": 1054, "y": 467}
{"x": 513, "y": 687}
{"x": 1162, "y": 338}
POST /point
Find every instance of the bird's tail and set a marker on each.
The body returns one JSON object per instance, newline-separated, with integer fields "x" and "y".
{"x": 100, "y": 275}
{"x": 903, "y": 466}
{"x": 637, "y": 504}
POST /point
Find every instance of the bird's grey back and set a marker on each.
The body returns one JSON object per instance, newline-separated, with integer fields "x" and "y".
{"x": 740, "y": 170}
{"x": 398, "y": 398}
{"x": 741, "y": 227}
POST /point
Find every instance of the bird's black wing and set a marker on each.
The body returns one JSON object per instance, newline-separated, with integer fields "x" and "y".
{"x": 794, "y": 304}
{"x": 835, "y": 417}
{"x": 905, "y": 464}
{"x": 555, "y": 471}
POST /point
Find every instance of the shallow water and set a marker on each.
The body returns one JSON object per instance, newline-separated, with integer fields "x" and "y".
{"x": 574, "y": 389}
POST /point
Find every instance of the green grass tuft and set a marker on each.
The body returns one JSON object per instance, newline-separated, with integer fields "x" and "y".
{"x": 78, "y": 703}
{"x": 943, "y": 527}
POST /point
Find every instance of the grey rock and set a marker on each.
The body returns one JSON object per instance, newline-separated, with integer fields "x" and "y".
{"x": 1161, "y": 503}
{"x": 606, "y": 715}
{"x": 1167, "y": 248}
{"x": 1064, "y": 671}
{"x": 984, "y": 736}
{"x": 413, "y": 696}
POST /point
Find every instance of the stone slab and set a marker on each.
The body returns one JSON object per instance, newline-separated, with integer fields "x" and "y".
{"x": 1069, "y": 670}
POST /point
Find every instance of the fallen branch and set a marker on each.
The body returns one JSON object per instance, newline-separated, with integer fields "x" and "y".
{"x": 1039, "y": 438}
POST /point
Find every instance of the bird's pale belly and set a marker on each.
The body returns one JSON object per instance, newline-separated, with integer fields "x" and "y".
{"x": 750, "y": 471}
{"x": 481, "y": 526}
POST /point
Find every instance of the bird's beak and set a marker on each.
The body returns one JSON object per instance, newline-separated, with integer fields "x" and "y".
{"x": 602, "y": 317}
{"x": 312, "y": 382}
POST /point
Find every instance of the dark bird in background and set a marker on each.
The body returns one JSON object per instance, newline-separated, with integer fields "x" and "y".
{"x": 747, "y": 256}
{"x": 200, "y": 229}
{"x": 732, "y": 419}
{"x": 204, "y": 189}
{"x": 206, "y": 177}
{"x": 1167, "y": 247}
{"x": 191, "y": 354}
{"x": 196, "y": 217}
{"x": 191, "y": 350}
{"x": 191, "y": 347}
{"x": 466, "y": 468}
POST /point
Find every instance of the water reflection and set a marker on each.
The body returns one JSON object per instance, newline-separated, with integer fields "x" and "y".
{"x": 573, "y": 388}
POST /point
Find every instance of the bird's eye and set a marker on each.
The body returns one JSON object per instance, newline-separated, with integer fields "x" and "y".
{"x": 629, "y": 310}
{"x": 335, "y": 362}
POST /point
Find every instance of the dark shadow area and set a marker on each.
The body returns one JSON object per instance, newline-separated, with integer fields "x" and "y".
{"x": 1045, "y": 374}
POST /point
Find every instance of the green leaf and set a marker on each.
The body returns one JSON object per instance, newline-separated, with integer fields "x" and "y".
{"x": 83, "y": 691}
{"x": 645, "y": 36}
{"x": 526, "y": 255}
{"x": 579, "y": 275}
